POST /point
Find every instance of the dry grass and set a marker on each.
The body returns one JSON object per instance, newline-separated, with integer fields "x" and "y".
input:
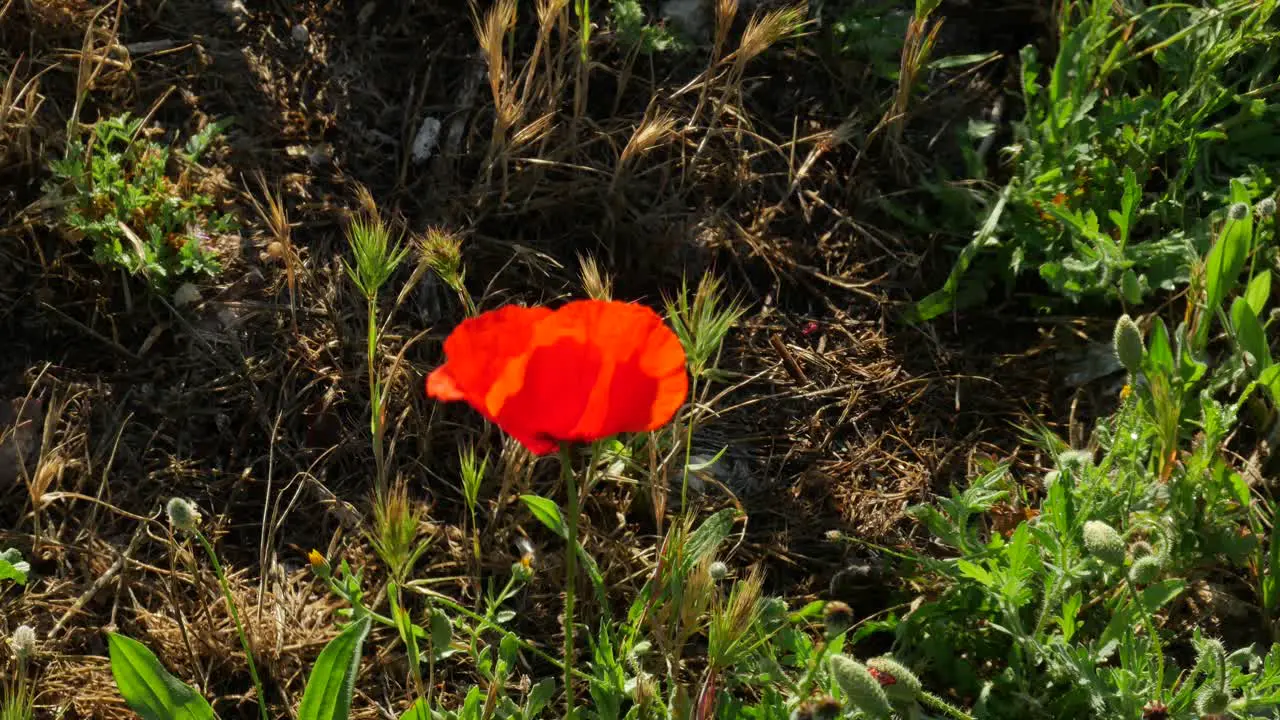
{"x": 604, "y": 175}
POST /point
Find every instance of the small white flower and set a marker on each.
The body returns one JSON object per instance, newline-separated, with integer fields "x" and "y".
{"x": 23, "y": 642}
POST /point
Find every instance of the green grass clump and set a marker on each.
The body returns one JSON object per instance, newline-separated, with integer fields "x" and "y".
{"x": 130, "y": 198}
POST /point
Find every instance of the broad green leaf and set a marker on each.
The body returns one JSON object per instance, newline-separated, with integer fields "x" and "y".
{"x": 1159, "y": 594}
{"x": 548, "y": 513}
{"x": 1226, "y": 259}
{"x": 329, "y": 689}
{"x": 1249, "y": 333}
{"x": 1259, "y": 292}
{"x": 147, "y": 688}
{"x": 1160, "y": 351}
{"x": 539, "y": 695}
{"x": 12, "y": 566}
{"x": 441, "y": 632}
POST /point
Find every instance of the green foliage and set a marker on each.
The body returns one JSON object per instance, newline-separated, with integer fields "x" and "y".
{"x": 149, "y": 689}
{"x": 1138, "y": 137}
{"x": 640, "y": 35}
{"x": 332, "y": 679}
{"x": 12, "y": 566}
{"x": 131, "y": 199}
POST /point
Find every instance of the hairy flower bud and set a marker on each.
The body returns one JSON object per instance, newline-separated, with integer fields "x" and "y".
{"x": 1127, "y": 340}
{"x": 860, "y": 685}
{"x": 718, "y": 571}
{"x": 1238, "y": 211}
{"x": 899, "y": 683}
{"x": 827, "y": 708}
{"x": 183, "y": 514}
{"x": 23, "y": 642}
{"x": 1265, "y": 208}
{"x": 1212, "y": 701}
{"x": 1104, "y": 542}
{"x": 1145, "y": 570}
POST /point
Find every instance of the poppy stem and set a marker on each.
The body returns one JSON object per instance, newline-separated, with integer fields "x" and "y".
{"x": 571, "y": 571}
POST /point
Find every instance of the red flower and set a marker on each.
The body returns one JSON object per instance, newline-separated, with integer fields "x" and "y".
{"x": 587, "y": 371}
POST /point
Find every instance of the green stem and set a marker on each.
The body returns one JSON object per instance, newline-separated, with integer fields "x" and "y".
{"x": 571, "y": 571}
{"x": 1155, "y": 640}
{"x": 235, "y": 617}
{"x": 688, "y": 446}
{"x": 375, "y": 419}
{"x": 943, "y": 706}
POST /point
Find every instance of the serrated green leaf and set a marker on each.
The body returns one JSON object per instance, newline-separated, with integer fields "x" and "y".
{"x": 12, "y": 566}
{"x": 332, "y": 680}
{"x": 147, "y": 688}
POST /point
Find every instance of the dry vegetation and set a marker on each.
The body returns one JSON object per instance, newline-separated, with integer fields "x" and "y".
{"x": 562, "y": 169}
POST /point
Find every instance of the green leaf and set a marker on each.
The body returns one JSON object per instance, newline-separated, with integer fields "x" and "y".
{"x": 441, "y": 632}
{"x": 942, "y": 300}
{"x": 329, "y": 689}
{"x": 417, "y": 711}
{"x": 1249, "y": 333}
{"x": 1160, "y": 351}
{"x": 548, "y": 513}
{"x": 149, "y": 689}
{"x": 1158, "y": 595}
{"x": 1226, "y": 258}
{"x": 12, "y": 567}
{"x": 539, "y": 695}
{"x": 1259, "y": 292}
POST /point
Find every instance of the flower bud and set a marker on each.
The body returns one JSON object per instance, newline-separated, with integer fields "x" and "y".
{"x": 1212, "y": 701}
{"x": 718, "y": 571}
{"x": 319, "y": 565}
{"x": 1104, "y": 542}
{"x": 1050, "y": 478}
{"x": 1238, "y": 211}
{"x": 1265, "y": 208}
{"x": 863, "y": 689}
{"x": 1141, "y": 549}
{"x": 1127, "y": 341}
{"x": 23, "y": 642}
{"x": 899, "y": 683}
{"x": 522, "y": 572}
{"x": 1145, "y": 570}
{"x": 183, "y": 514}
{"x": 837, "y": 617}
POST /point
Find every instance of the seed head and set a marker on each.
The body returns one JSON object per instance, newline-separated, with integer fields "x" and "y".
{"x": 1155, "y": 710}
{"x": 1145, "y": 570}
{"x": 863, "y": 689}
{"x": 1050, "y": 478}
{"x": 1127, "y": 340}
{"x": 183, "y": 514}
{"x": 837, "y": 617}
{"x": 442, "y": 252}
{"x": 1104, "y": 542}
{"x": 899, "y": 683}
{"x": 718, "y": 571}
{"x": 1238, "y": 211}
{"x": 1265, "y": 208}
{"x": 23, "y": 642}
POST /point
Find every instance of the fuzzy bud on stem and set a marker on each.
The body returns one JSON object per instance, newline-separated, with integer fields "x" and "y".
{"x": 183, "y": 514}
{"x": 1127, "y": 340}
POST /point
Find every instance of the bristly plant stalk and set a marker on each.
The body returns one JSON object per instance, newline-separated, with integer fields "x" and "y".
{"x": 571, "y": 571}
{"x": 235, "y": 618}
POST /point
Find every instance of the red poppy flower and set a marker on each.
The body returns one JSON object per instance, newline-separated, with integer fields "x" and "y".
{"x": 587, "y": 371}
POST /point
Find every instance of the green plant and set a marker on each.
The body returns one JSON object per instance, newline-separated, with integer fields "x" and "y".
{"x": 1129, "y": 139}
{"x": 12, "y": 566}
{"x": 17, "y": 692}
{"x": 119, "y": 191}
{"x": 154, "y": 694}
